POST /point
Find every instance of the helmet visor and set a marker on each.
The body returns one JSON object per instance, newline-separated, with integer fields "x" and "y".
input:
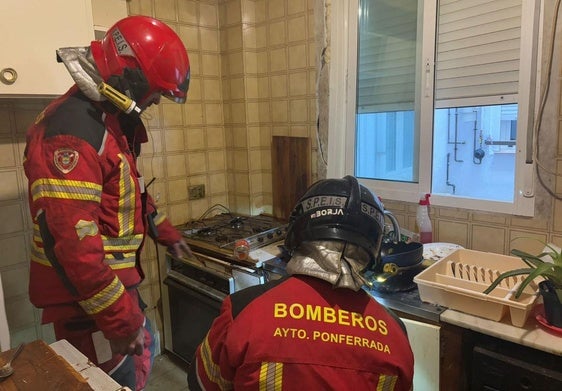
{"x": 179, "y": 95}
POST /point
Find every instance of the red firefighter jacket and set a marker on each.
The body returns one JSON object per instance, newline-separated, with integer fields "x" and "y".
{"x": 88, "y": 215}
{"x": 301, "y": 334}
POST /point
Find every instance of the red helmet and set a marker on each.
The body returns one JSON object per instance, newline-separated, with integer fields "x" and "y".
{"x": 143, "y": 56}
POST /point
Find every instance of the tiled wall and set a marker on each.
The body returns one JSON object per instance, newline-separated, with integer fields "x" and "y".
{"x": 253, "y": 76}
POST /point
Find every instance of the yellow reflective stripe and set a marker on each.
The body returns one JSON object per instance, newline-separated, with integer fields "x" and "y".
{"x": 126, "y": 214}
{"x": 66, "y": 189}
{"x": 103, "y": 299}
{"x": 212, "y": 370}
{"x": 127, "y": 261}
{"x": 386, "y": 383}
{"x": 129, "y": 243}
{"x": 159, "y": 218}
{"x": 38, "y": 255}
{"x": 271, "y": 376}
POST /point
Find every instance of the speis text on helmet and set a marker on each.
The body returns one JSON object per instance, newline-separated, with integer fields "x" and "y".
{"x": 323, "y": 201}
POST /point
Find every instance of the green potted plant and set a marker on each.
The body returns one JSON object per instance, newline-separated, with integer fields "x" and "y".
{"x": 550, "y": 288}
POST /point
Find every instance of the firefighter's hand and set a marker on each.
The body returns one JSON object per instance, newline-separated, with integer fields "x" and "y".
{"x": 180, "y": 248}
{"x": 134, "y": 344}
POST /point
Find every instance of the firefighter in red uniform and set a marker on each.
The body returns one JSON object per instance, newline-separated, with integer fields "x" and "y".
{"x": 89, "y": 204}
{"x": 316, "y": 329}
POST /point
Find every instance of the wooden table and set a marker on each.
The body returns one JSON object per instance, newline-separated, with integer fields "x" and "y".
{"x": 56, "y": 367}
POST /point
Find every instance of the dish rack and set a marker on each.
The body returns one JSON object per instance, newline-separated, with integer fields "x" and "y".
{"x": 458, "y": 280}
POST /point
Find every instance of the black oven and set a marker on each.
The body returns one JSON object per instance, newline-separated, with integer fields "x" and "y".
{"x": 194, "y": 296}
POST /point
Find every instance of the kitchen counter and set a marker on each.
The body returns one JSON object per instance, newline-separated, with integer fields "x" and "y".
{"x": 531, "y": 334}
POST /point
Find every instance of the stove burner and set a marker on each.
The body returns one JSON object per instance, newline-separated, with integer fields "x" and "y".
{"x": 225, "y": 229}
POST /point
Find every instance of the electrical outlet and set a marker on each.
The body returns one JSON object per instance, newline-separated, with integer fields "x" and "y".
{"x": 196, "y": 192}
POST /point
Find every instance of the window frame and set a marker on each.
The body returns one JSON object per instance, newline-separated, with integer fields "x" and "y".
{"x": 342, "y": 109}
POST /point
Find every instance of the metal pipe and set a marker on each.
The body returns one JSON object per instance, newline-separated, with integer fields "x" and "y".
{"x": 447, "y": 179}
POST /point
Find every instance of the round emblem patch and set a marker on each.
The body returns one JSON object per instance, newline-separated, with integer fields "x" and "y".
{"x": 66, "y": 159}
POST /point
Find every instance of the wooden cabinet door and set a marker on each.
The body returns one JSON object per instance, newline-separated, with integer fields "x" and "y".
{"x": 31, "y": 32}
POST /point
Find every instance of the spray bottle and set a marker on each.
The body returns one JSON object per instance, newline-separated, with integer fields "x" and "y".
{"x": 423, "y": 223}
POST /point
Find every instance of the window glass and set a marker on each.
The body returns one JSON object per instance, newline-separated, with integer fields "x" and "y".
{"x": 443, "y": 100}
{"x": 386, "y": 86}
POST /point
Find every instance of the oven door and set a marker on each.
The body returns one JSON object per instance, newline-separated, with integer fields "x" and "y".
{"x": 192, "y": 310}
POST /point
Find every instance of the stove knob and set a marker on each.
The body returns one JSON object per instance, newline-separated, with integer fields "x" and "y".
{"x": 278, "y": 232}
{"x": 270, "y": 235}
{"x": 260, "y": 239}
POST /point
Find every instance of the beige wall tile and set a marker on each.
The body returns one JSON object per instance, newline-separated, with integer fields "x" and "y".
{"x": 217, "y": 160}
{"x": 190, "y": 38}
{"x": 187, "y": 11}
{"x": 20, "y": 312}
{"x": 177, "y": 190}
{"x": 217, "y": 183}
{"x": 14, "y": 250}
{"x": 451, "y": 213}
{"x": 194, "y": 92}
{"x": 531, "y": 242}
{"x": 7, "y": 154}
{"x": 165, "y": 10}
{"x": 237, "y": 89}
{"x": 249, "y": 37}
{"x": 297, "y": 29}
{"x": 252, "y": 113}
{"x": 214, "y": 113}
{"x": 195, "y": 139}
{"x": 197, "y": 162}
{"x": 452, "y": 232}
{"x": 234, "y": 38}
{"x": 248, "y": 11}
{"x": 262, "y": 62}
{"x": 236, "y": 63}
{"x": 210, "y": 65}
{"x": 176, "y": 165}
{"x": 215, "y": 138}
{"x": 299, "y": 110}
{"x": 280, "y": 111}
{"x": 297, "y": 56}
{"x": 238, "y": 113}
{"x": 486, "y": 238}
{"x": 295, "y": 6}
{"x": 208, "y": 15}
{"x": 250, "y": 63}
{"x": 9, "y": 190}
{"x": 278, "y": 60}
{"x": 275, "y": 8}
{"x": 261, "y": 11}
{"x": 233, "y": 12}
{"x": 12, "y": 220}
{"x": 193, "y": 113}
{"x": 172, "y": 115}
{"x": 6, "y": 122}
{"x": 252, "y": 91}
{"x": 276, "y": 33}
{"x": 15, "y": 281}
{"x": 298, "y": 83}
{"x": 279, "y": 85}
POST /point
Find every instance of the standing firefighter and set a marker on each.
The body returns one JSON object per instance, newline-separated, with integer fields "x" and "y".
{"x": 316, "y": 329}
{"x": 89, "y": 205}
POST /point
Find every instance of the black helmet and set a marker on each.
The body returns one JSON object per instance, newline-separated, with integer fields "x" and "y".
{"x": 338, "y": 209}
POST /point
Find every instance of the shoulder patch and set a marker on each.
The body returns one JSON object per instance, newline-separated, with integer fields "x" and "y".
{"x": 65, "y": 159}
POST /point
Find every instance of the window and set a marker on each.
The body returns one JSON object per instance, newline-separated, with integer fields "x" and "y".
{"x": 438, "y": 97}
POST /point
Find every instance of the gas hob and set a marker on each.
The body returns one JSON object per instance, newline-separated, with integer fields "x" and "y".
{"x": 219, "y": 235}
